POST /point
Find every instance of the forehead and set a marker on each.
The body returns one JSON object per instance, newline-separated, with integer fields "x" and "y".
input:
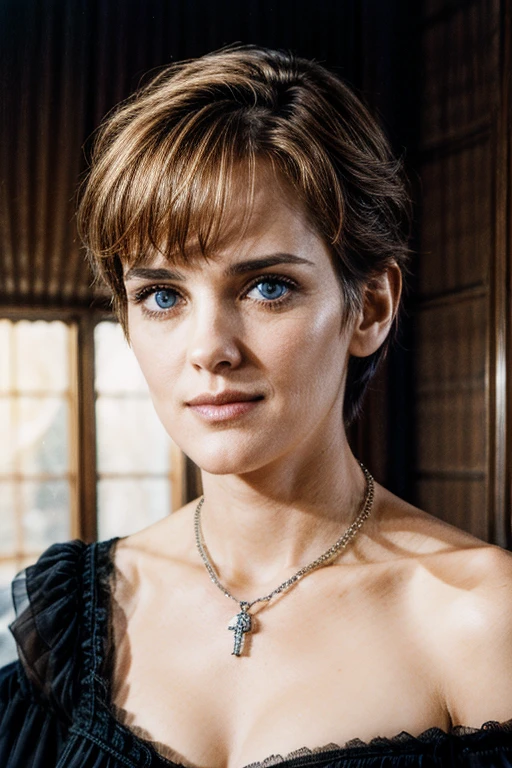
{"x": 266, "y": 218}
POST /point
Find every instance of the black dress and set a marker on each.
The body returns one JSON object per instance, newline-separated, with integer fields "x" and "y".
{"x": 54, "y": 705}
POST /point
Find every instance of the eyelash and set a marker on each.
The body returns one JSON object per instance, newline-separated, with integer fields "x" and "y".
{"x": 272, "y": 304}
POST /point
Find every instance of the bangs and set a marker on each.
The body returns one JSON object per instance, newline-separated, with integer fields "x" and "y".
{"x": 178, "y": 194}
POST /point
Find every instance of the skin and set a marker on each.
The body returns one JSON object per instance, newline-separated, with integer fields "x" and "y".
{"x": 410, "y": 628}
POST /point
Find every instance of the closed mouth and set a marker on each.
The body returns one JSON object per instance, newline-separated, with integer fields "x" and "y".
{"x": 224, "y": 398}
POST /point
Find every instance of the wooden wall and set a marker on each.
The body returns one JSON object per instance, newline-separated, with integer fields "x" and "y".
{"x": 462, "y": 318}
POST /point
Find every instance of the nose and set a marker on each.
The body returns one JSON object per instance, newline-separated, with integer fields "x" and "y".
{"x": 213, "y": 343}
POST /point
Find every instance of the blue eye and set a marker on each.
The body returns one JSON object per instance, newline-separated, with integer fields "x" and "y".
{"x": 165, "y": 299}
{"x": 272, "y": 289}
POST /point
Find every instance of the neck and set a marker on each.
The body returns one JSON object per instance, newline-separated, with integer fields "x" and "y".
{"x": 261, "y": 527}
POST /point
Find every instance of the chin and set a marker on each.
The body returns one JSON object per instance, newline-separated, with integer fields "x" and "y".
{"x": 228, "y": 456}
{"x": 223, "y": 465}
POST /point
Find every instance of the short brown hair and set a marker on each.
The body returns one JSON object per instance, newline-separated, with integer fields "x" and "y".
{"x": 164, "y": 164}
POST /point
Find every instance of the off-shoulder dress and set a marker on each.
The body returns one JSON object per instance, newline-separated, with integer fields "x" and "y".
{"x": 55, "y": 708}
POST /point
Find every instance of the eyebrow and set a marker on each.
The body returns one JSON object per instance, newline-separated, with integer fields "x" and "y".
{"x": 252, "y": 265}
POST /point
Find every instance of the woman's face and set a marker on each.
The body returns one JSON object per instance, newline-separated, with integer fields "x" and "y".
{"x": 263, "y": 317}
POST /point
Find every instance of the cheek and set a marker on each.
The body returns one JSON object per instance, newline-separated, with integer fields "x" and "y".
{"x": 156, "y": 363}
{"x": 308, "y": 350}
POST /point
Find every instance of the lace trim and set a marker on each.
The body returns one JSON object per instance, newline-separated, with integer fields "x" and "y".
{"x": 399, "y": 743}
{"x": 401, "y": 740}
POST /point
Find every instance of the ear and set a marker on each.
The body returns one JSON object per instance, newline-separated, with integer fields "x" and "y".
{"x": 380, "y": 304}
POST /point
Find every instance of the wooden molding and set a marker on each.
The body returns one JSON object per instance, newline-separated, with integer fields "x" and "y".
{"x": 87, "y": 525}
{"x": 499, "y": 360}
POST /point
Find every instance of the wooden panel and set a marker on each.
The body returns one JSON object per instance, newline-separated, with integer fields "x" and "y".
{"x": 451, "y": 343}
{"x": 461, "y": 327}
{"x": 456, "y": 220}
{"x": 459, "y": 72}
{"x": 461, "y": 502}
{"x": 500, "y": 352}
{"x": 451, "y": 412}
{"x": 451, "y": 391}
{"x": 451, "y": 429}
{"x": 434, "y": 7}
{"x": 88, "y": 524}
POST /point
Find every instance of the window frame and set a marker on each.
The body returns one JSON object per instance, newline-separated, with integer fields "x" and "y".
{"x": 184, "y": 476}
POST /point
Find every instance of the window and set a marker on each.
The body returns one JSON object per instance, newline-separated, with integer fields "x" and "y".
{"x": 134, "y": 453}
{"x": 37, "y": 425}
{"x": 44, "y": 450}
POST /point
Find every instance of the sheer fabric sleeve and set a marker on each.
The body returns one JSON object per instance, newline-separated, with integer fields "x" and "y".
{"x": 47, "y": 599}
{"x": 38, "y": 693}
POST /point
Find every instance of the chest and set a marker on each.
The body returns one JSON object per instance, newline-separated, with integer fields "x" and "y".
{"x": 319, "y": 666}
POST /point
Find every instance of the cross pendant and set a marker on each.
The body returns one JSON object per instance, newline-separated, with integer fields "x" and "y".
{"x": 240, "y": 624}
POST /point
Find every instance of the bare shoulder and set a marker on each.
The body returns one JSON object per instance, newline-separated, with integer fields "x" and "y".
{"x": 445, "y": 563}
{"x": 474, "y": 634}
{"x": 142, "y": 559}
{"x": 460, "y": 593}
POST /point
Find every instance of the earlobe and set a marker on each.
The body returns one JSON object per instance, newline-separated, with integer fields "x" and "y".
{"x": 380, "y": 305}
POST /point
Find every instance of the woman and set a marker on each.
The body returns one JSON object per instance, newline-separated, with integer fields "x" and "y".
{"x": 248, "y": 216}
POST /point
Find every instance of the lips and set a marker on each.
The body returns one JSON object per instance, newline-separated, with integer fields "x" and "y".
{"x": 224, "y": 406}
{"x": 222, "y": 398}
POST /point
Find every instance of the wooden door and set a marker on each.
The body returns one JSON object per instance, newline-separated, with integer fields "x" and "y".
{"x": 462, "y": 310}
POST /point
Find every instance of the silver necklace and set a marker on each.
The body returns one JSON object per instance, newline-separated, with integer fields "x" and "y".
{"x": 242, "y": 623}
